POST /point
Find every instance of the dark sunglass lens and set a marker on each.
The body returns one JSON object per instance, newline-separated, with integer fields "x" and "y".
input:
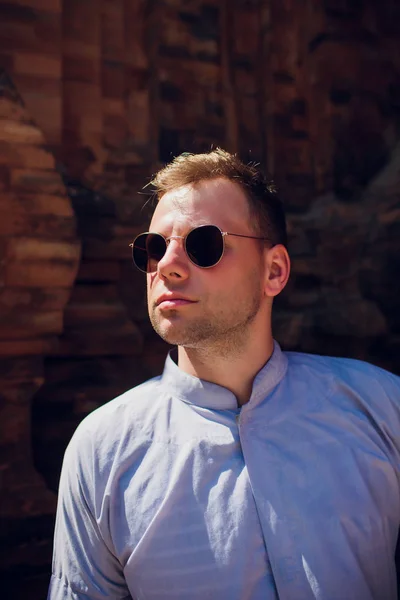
{"x": 205, "y": 245}
{"x": 148, "y": 249}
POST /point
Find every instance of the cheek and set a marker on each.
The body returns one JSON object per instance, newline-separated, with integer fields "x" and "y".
{"x": 220, "y": 284}
{"x": 245, "y": 279}
{"x": 150, "y": 279}
{"x": 149, "y": 285}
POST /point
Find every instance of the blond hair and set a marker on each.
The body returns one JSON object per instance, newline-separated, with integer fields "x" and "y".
{"x": 266, "y": 210}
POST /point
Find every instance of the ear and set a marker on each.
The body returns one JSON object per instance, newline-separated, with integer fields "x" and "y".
{"x": 277, "y": 270}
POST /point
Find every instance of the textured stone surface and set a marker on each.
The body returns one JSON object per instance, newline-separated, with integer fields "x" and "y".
{"x": 40, "y": 254}
{"x": 112, "y": 89}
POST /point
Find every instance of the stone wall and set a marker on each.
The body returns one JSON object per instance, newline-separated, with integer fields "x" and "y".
{"x": 95, "y": 96}
{"x": 40, "y": 256}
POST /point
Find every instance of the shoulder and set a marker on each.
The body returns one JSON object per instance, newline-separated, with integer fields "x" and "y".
{"x": 108, "y": 428}
{"x": 130, "y": 404}
{"x": 341, "y": 367}
{"x": 346, "y": 369}
{"x": 366, "y": 384}
{"x": 349, "y": 368}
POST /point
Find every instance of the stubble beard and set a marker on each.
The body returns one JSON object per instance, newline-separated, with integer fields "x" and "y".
{"x": 221, "y": 332}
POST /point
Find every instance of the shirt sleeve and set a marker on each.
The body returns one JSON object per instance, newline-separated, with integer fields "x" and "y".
{"x": 84, "y": 567}
{"x": 382, "y": 391}
{"x": 391, "y": 386}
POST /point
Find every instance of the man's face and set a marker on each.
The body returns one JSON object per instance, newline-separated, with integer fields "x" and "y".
{"x": 219, "y": 305}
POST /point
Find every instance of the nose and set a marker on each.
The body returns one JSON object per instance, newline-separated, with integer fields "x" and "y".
{"x": 174, "y": 263}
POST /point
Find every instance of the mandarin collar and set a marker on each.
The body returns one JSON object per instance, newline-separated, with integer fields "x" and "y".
{"x": 202, "y": 393}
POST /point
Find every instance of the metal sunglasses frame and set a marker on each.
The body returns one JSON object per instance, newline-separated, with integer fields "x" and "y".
{"x": 184, "y": 237}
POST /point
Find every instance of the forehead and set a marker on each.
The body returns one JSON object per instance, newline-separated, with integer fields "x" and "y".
{"x": 216, "y": 201}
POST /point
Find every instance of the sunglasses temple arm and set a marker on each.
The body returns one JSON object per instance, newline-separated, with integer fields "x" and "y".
{"x": 251, "y": 237}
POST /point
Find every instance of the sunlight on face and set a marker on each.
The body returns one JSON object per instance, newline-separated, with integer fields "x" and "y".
{"x": 227, "y": 299}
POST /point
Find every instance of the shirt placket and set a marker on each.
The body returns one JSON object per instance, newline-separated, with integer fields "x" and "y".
{"x": 279, "y": 524}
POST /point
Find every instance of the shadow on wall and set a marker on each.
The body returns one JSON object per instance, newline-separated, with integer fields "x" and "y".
{"x": 343, "y": 297}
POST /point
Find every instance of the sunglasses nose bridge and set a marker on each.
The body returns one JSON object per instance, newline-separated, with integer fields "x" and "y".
{"x": 173, "y": 237}
{"x": 181, "y": 244}
{"x": 172, "y": 255}
{"x": 202, "y": 246}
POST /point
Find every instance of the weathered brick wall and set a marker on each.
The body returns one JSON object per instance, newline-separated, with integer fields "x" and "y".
{"x": 334, "y": 142}
{"x": 309, "y": 89}
{"x": 40, "y": 253}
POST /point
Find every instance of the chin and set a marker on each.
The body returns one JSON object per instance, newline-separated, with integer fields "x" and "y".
{"x": 179, "y": 331}
{"x": 176, "y": 337}
{"x": 173, "y": 340}
{"x": 169, "y": 332}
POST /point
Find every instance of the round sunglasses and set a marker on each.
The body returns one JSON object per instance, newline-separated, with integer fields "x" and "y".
{"x": 204, "y": 246}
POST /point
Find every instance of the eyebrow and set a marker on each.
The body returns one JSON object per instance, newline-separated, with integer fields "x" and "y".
{"x": 190, "y": 226}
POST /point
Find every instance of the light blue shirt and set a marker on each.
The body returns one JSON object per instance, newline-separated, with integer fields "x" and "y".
{"x": 172, "y": 491}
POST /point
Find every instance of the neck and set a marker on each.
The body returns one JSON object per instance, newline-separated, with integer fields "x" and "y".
{"x": 234, "y": 370}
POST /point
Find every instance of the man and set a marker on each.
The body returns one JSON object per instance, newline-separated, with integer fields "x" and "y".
{"x": 243, "y": 472}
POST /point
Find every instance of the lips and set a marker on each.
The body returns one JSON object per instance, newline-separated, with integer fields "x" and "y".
{"x": 173, "y": 300}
